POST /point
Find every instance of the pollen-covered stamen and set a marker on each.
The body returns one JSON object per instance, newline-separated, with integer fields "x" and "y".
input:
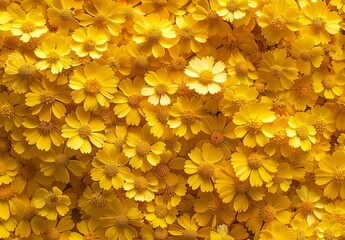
{"x": 254, "y": 160}
{"x": 279, "y": 137}
{"x": 190, "y": 234}
{"x": 140, "y": 183}
{"x": 214, "y": 205}
{"x": 84, "y": 131}
{"x": 254, "y": 125}
{"x": 318, "y": 24}
{"x": 341, "y": 104}
{"x": 278, "y": 23}
{"x": 121, "y": 220}
{"x": 163, "y": 116}
{"x": 26, "y": 71}
{"x": 53, "y": 57}
{"x": 100, "y": 20}
{"x": 160, "y": 234}
{"x": 232, "y": 5}
{"x": 278, "y": 177}
{"x": 28, "y": 213}
{"x": 128, "y": 12}
{"x": 241, "y": 69}
{"x": 161, "y": 89}
{"x": 113, "y": 63}
{"x": 108, "y": 117}
{"x": 303, "y": 91}
{"x": 186, "y": 33}
{"x": 328, "y": 81}
{"x": 47, "y": 97}
{"x": 61, "y": 160}
{"x": 277, "y": 71}
{"x": 217, "y": 137}
{"x": 307, "y": 207}
{"x": 162, "y": 170}
{"x": 66, "y": 15}
{"x": 134, "y": 101}
{"x": 153, "y": 34}
{"x": 268, "y": 213}
{"x": 161, "y": 211}
{"x": 178, "y": 64}
{"x": 302, "y": 132}
{"x": 52, "y": 200}
{"x": 89, "y": 45}
{"x": 143, "y": 148}
{"x": 320, "y": 126}
{"x": 91, "y": 236}
{"x": 188, "y": 117}
{"x": 28, "y": 27}
{"x": 212, "y": 16}
{"x": 6, "y": 193}
{"x": 111, "y": 169}
{"x": 241, "y": 186}
{"x": 206, "y": 169}
{"x": 206, "y": 76}
{"x": 339, "y": 175}
{"x": 92, "y": 86}
{"x": 6, "y": 110}
{"x": 46, "y": 127}
{"x": 97, "y": 200}
{"x": 306, "y": 55}
{"x": 141, "y": 62}
{"x": 170, "y": 190}
{"x": 51, "y": 234}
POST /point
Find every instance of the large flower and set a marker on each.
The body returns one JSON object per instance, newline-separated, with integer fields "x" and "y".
{"x": 205, "y": 75}
{"x": 11, "y": 111}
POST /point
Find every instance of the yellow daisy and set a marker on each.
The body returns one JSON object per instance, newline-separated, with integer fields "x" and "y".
{"x": 11, "y": 111}
{"x": 9, "y": 168}
{"x": 328, "y": 83}
{"x": 242, "y": 69}
{"x": 88, "y": 229}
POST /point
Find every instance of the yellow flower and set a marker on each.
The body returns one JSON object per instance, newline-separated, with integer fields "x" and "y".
{"x": 81, "y": 129}
{"x": 118, "y": 59}
{"x": 163, "y": 7}
{"x": 12, "y": 111}
{"x": 46, "y": 98}
{"x": 201, "y": 166}
{"x": 329, "y": 84}
{"x": 254, "y": 124}
{"x": 278, "y": 20}
{"x": 306, "y": 54}
{"x": 302, "y": 229}
{"x": 128, "y": 100}
{"x": 5, "y": 21}
{"x": 148, "y": 233}
{"x": 157, "y": 118}
{"x": 221, "y": 233}
{"x": 93, "y": 84}
{"x": 205, "y": 75}
{"x": 88, "y": 229}
{"x": 160, "y": 87}
{"x": 141, "y": 187}
{"x": 20, "y": 70}
{"x": 59, "y": 229}
{"x": 9, "y": 168}
{"x": 232, "y": 10}
{"x": 154, "y": 34}
{"x": 159, "y": 214}
{"x": 277, "y": 231}
{"x": 54, "y": 55}
{"x": 282, "y": 179}
{"x": 143, "y": 149}
{"x": 89, "y": 41}
{"x": 191, "y": 34}
{"x": 51, "y": 204}
{"x": 329, "y": 228}
{"x": 242, "y": 69}
{"x": 122, "y": 219}
{"x": 103, "y": 15}
{"x": 27, "y": 26}
{"x": 187, "y": 228}
{"x": 254, "y": 165}
{"x": 185, "y": 117}
{"x": 319, "y": 22}
{"x": 7, "y": 227}
{"x": 331, "y": 174}
{"x": 109, "y": 168}
{"x": 174, "y": 189}
{"x": 324, "y": 121}
{"x": 302, "y": 95}
{"x": 301, "y": 131}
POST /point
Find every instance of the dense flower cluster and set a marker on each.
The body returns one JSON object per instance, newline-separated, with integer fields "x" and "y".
{"x": 172, "y": 119}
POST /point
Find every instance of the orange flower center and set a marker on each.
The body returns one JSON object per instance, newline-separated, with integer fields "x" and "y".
{"x": 159, "y": 3}
{"x": 305, "y": 55}
{"x": 92, "y": 86}
{"x": 46, "y": 127}
{"x": 318, "y": 24}
{"x": 61, "y": 160}
{"x": 111, "y": 169}
{"x": 302, "y": 132}
{"x": 341, "y": 104}
{"x": 108, "y": 117}
{"x": 188, "y": 117}
{"x": 65, "y": 15}
{"x": 277, "y": 71}
{"x": 186, "y": 33}
{"x": 170, "y": 190}
{"x": 254, "y": 160}
{"x": 141, "y": 62}
{"x": 153, "y": 34}
{"x": 121, "y": 221}
{"x": 28, "y": 27}
{"x": 307, "y": 207}
{"x": 6, "y": 193}
{"x": 213, "y": 16}
{"x": 26, "y": 71}
{"x": 143, "y": 148}
{"x": 232, "y": 5}
{"x": 52, "y": 57}
{"x": 90, "y": 236}
{"x": 161, "y": 89}
{"x": 278, "y": 23}
{"x": 279, "y": 178}
{"x": 178, "y": 64}
{"x": 206, "y": 76}
{"x": 303, "y": 91}
{"x": 162, "y": 170}
{"x": 328, "y": 81}
{"x": 268, "y": 213}
{"x": 339, "y": 175}
{"x": 113, "y": 63}
{"x": 97, "y": 200}
{"x": 89, "y": 45}
{"x": 47, "y": 97}
{"x": 52, "y": 200}
{"x": 163, "y": 116}
{"x": 320, "y": 125}
{"x": 134, "y": 101}
{"x": 28, "y": 213}
{"x": 241, "y": 186}
{"x": 215, "y": 205}
{"x": 140, "y": 183}
{"x": 6, "y": 110}
{"x": 279, "y": 137}
{"x": 217, "y": 137}
{"x": 190, "y": 234}
{"x": 51, "y": 234}
{"x": 206, "y": 170}
{"x": 160, "y": 234}
{"x": 161, "y": 211}
{"x": 241, "y": 69}
{"x": 100, "y": 20}
{"x": 254, "y": 125}
{"x": 84, "y": 131}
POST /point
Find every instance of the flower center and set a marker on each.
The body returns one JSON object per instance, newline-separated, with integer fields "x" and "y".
{"x": 84, "y": 131}
{"x": 26, "y": 71}
{"x": 278, "y": 178}
{"x": 254, "y": 160}
{"x": 6, "y": 110}
{"x": 51, "y": 234}
{"x": 28, "y": 27}
{"x": 92, "y": 86}
{"x": 186, "y": 33}
{"x": 141, "y": 62}
{"x": 190, "y": 234}
{"x": 111, "y": 169}
{"x": 46, "y": 127}
{"x": 141, "y": 184}
{"x": 178, "y": 64}
{"x": 159, "y": 3}
{"x": 52, "y": 200}
{"x": 320, "y": 126}
{"x": 206, "y": 170}
{"x": 52, "y": 57}
{"x": 188, "y": 117}
{"x": 89, "y": 45}
{"x": 128, "y": 12}
{"x": 318, "y": 24}
{"x": 232, "y": 5}
{"x": 328, "y": 81}
{"x": 341, "y": 104}
{"x": 97, "y": 200}
{"x": 161, "y": 89}
{"x": 143, "y": 148}
{"x": 305, "y": 55}
{"x": 241, "y": 69}
{"x": 5, "y": 144}
{"x": 108, "y": 117}
{"x": 90, "y": 236}
{"x": 214, "y": 205}
{"x": 161, "y": 211}
{"x": 241, "y": 186}
{"x": 65, "y": 15}
{"x": 254, "y": 125}
{"x": 279, "y": 137}
{"x": 163, "y": 116}
{"x": 160, "y": 234}
{"x": 134, "y": 101}
{"x": 206, "y": 76}
{"x": 307, "y": 207}
{"x": 28, "y": 213}
{"x": 217, "y": 137}
{"x": 277, "y": 71}
{"x": 47, "y": 97}
{"x": 339, "y": 175}
{"x": 61, "y": 160}
{"x": 162, "y": 170}
{"x": 303, "y": 91}
{"x": 213, "y": 16}
{"x": 302, "y": 132}
{"x": 170, "y": 190}
{"x": 278, "y": 23}
{"x": 113, "y": 63}
{"x": 100, "y": 20}
{"x": 6, "y": 193}
{"x": 121, "y": 220}
{"x": 268, "y": 213}
{"x": 153, "y": 34}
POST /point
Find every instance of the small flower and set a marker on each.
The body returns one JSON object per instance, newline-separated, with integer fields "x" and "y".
{"x": 12, "y": 111}
{"x": 242, "y": 69}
